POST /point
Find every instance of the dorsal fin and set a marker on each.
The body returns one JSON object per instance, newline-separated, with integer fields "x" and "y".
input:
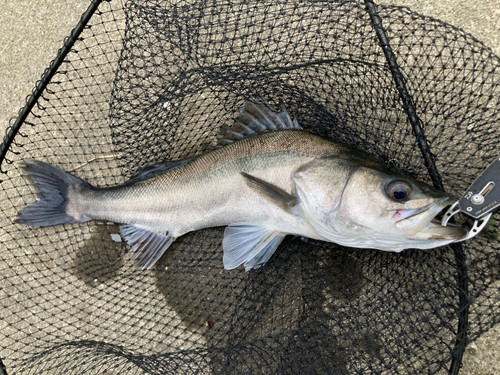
{"x": 257, "y": 119}
{"x": 153, "y": 170}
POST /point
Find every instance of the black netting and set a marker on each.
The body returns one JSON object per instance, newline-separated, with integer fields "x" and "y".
{"x": 147, "y": 81}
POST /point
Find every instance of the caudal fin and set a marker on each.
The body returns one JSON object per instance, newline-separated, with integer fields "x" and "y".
{"x": 52, "y": 196}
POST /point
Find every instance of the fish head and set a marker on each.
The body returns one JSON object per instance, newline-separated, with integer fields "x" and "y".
{"x": 399, "y": 206}
{"x": 362, "y": 203}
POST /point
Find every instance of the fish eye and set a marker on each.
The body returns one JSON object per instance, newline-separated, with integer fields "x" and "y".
{"x": 398, "y": 191}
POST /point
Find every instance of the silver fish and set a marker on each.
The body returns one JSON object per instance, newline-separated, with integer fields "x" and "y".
{"x": 267, "y": 179}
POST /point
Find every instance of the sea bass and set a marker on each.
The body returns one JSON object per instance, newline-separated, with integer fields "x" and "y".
{"x": 268, "y": 178}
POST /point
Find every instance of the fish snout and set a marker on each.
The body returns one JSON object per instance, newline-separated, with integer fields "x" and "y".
{"x": 421, "y": 223}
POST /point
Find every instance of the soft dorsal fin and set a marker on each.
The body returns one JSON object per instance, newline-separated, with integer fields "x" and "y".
{"x": 153, "y": 170}
{"x": 257, "y": 119}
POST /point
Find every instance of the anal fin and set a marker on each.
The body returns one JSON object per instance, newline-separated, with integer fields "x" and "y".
{"x": 249, "y": 244}
{"x": 147, "y": 247}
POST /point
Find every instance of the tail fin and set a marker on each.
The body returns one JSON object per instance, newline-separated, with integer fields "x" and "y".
{"x": 52, "y": 196}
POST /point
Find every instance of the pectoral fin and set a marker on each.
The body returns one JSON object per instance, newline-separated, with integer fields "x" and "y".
{"x": 147, "y": 247}
{"x": 272, "y": 193}
{"x": 249, "y": 243}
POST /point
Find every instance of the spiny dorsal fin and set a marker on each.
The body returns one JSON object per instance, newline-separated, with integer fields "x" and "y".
{"x": 257, "y": 119}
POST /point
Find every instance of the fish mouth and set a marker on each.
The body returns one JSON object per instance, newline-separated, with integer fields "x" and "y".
{"x": 422, "y": 224}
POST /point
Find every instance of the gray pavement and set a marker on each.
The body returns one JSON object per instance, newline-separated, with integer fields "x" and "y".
{"x": 31, "y": 32}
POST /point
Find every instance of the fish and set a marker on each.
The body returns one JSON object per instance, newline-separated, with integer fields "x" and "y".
{"x": 265, "y": 179}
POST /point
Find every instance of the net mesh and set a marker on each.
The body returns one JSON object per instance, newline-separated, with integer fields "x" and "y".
{"x": 149, "y": 81}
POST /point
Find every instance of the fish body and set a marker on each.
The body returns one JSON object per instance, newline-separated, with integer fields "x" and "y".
{"x": 269, "y": 179}
{"x": 210, "y": 190}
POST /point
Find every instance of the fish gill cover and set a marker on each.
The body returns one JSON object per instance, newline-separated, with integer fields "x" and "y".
{"x": 140, "y": 82}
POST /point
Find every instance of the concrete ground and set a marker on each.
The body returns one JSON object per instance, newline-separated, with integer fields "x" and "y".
{"x": 31, "y": 32}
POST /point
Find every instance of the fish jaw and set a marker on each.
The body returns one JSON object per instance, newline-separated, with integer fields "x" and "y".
{"x": 419, "y": 224}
